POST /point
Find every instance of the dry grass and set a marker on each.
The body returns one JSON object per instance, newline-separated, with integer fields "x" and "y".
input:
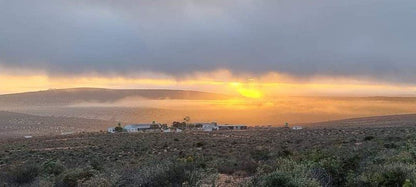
{"x": 237, "y": 156}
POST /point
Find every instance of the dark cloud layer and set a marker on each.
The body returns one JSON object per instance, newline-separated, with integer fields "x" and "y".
{"x": 370, "y": 38}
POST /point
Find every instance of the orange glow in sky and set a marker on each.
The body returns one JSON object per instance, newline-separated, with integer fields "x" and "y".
{"x": 247, "y": 91}
{"x": 220, "y": 82}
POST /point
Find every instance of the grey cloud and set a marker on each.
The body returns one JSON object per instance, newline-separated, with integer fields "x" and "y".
{"x": 366, "y": 38}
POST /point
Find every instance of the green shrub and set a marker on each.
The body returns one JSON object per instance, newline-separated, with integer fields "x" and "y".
{"x": 395, "y": 174}
{"x": 407, "y": 183}
{"x": 277, "y": 179}
{"x": 199, "y": 144}
{"x": 260, "y": 154}
{"x": 26, "y": 173}
{"x": 166, "y": 173}
{"x": 393, "y": 177}
{"x": 74, "y": 176}
{"x": 368, "y": 138}
{"x": 96, "y": 182}
{"x": 288, "y": 173}
{"x": 390, "y": 145}
{"x": 232, "y": 165}
{"x": 96, "y": 164}
{"x": 53, "y": 168}
{"x": 339, "y": 167}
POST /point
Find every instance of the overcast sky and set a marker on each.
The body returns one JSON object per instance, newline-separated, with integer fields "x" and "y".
{"x": 303, "y": 38}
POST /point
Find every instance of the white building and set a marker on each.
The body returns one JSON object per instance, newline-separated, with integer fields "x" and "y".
{"x": 209, "y": 126}
{"x": 136, "y": 127}
{"x": 167, "y": 130}
{"x": 111, "y": 130}
{"x": 142, "y": 127}
{"x": 297, "y": 127}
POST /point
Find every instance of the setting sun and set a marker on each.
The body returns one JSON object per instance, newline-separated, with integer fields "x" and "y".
{"x": 247, "y": 90}
{"x": 250, "y": 93}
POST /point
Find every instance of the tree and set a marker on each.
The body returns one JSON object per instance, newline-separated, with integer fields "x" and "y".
{"x": 118, "y": 128}
{"x": 187, "y": 118}
{"x": 179, "y": 125}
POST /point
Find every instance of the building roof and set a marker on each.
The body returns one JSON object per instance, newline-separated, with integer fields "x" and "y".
{"x": 226, "y": 125}
{"x": 207, "y": 124}
{"x": 138, "y": 126}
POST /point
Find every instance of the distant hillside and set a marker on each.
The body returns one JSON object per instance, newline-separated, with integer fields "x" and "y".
{"x": 375, "y": 121}
{"x": 59, "y": 97}
{"x": 17, "y": 125}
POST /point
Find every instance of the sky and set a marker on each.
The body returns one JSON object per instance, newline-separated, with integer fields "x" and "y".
{"x": 298, "y": 47}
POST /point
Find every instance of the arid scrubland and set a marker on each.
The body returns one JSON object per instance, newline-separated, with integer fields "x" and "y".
{"x": 337, "y": 156}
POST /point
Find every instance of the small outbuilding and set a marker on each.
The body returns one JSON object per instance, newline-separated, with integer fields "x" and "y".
{"x": 167, "y": 130}
{"x": 111, "y": 130}
{"x": 208, "y": 126}
{"x": 142, "y": 127}
{"x": 297, "y": 127}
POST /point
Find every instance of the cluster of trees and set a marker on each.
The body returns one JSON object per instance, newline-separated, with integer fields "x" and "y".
{"x": 184, "y": 125}
{"x": 118, "y": 128}
{"x": 180, "y": 125}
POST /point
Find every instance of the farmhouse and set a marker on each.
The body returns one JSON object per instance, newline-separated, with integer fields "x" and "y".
{"x": 207, "y": 126}
{"x": 167, "y": 130}
{"x": 142, "y": 127}
{"x": 111, "y": 130}
{"x": 297, "y": 127}
{"x": 232, "y": 127}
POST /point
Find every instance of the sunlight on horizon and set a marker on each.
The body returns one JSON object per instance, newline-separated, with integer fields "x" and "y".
{"x": 223, "y": 81}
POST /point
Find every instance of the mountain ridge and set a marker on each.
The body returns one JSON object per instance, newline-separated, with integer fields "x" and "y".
{"x": 370, "y": 121}
{"x": 53, "y": 97}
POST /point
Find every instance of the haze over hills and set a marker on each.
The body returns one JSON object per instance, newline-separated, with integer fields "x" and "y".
{"x": 58, "y": 111}
{"x": 166, "y": 106}
{"x": 18, "y": 125}
{"x": 14, "y": 124}
{"x": 373, "y": 121}
{"x": 59, "y": 97}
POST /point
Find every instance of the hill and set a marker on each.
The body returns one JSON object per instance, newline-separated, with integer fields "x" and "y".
{"x": 374, "y": 121}
{"x": 18, "y": 125}
{"x": 59, "y": 97}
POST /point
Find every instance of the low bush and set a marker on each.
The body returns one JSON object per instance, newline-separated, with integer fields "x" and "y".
{"x": 166, "y": 173}
{"x": 74, "y": 176}
{"x": 390, "y": 145}
{"x": 96, "y": 182}
{"x": 396, "y": 174}
{"x": 260, "y": 154}
{"x": 368, "y": 138}
{"x": 26, "y": 173}
{"x": 96, "y": 164}
{"x": 288, "y": 173}
{"x": 276, "y": 179}
{"x": 53, "y": 168}
{"x": 232, "y": 165}
{"x": 199, "y": 144}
